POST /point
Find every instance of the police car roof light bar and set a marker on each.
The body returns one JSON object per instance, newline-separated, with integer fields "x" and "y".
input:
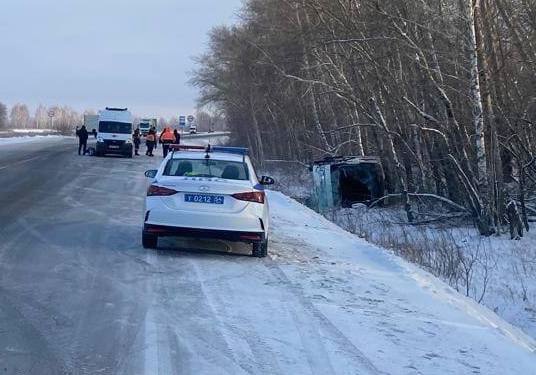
{"x": 209, "y": 149}
{"x": 176, "y": 148}
{"x": 231, "y": 150}
{"x": 187, "y": 148}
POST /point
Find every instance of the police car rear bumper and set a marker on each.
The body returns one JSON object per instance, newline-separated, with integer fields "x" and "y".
{"x": 227, "y": 235}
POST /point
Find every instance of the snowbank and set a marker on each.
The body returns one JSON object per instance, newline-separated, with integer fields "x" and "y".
{"x": 34, "y": 131}
{"x": 498, "y": 272}
{"x": 391, "y": 315}
{"x": 30, "y": 139}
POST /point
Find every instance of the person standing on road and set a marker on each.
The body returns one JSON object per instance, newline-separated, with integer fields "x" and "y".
{"x": 153, "y": 128}
{"x": 150, "y": 141}
{"x": 82, "y": 139}
{"x": 177, "y": 137}
{"x": 166, "y": 138}
{"x": 136, "y": 139}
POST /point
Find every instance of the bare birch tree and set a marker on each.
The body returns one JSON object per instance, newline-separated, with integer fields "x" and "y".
{"x": 452, "y": 82}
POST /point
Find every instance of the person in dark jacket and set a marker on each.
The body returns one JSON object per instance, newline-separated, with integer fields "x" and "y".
{"x": 177, "y": 137}
{"x": 153, "y": 128}
{"x": 82, "y": 139}
{"x": 136, "y": 139}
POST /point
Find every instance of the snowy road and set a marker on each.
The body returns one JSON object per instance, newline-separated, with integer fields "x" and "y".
{"x": 78, "y": 294}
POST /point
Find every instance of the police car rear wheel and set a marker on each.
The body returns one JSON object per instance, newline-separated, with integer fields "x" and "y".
{"x": 149, "y": 241}
{"x": 260, "y": 249}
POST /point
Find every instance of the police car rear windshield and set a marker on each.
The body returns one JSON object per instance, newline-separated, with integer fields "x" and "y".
{"x": 115, "y": 127}
{"x": 209, "y": 168}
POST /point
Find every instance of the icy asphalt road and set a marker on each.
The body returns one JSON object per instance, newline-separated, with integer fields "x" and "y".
{"x": 78, "y": 294}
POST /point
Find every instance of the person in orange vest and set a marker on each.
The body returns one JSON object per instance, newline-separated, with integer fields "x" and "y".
{"x": 166, "y": 138}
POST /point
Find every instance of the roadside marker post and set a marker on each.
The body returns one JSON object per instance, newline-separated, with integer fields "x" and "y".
{"x": 182, "y": 123}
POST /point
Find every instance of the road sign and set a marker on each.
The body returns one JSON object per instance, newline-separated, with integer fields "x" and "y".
{"x": 191, "y": 118}
{"x": 51, "y": 113}
{"x": 182, "y": 121}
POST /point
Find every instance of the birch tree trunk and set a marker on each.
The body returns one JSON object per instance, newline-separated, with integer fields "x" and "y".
{"x": 484, "y": 216}
{"x": 495, "y": 177}
{"x": 394, "y": 154}
{"x": 256, "y": 130}
{"x": 311, "y": 89}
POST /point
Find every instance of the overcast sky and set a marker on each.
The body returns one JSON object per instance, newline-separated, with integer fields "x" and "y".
{"x": 96, "y": 53}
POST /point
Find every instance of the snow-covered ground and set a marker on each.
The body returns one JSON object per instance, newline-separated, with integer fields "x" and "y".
{"x": 396, "y": 317}
{"x": 30, "y": 139}
{"x": 496, "y": 271}
{"x": 79, "y": 294}
{"x": 33, "y": 131}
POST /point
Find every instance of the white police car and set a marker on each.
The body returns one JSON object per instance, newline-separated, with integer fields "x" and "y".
{"x": 210, "y": 192}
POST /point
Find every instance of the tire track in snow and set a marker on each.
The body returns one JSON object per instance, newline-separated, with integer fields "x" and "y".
{"x": 20, "y": 162}
{"x": 344, "y": 344}
{"x": 35, "y": 352}
{"x": 228, "y": 349}
{"x": 165, "y": 341}
{"x": 156, "y": 356}
{"x": 265, "y": 358}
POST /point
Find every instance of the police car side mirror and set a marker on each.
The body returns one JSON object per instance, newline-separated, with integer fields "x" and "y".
{"x": 151, "y": 173}
{"x": 265, "y": 180}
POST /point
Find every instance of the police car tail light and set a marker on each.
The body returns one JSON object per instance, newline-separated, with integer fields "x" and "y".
{"x": 160, "y": 191}
{"x": 254, "y": 196}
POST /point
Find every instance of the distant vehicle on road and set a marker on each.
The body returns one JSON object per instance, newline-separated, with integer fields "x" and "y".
{"x": 193, "y": 129}
{"x": 146, "y": 124}
{"x": 91, "y": 122}
{"x": 115, "y": 132}
{"x": 208, "y": 192}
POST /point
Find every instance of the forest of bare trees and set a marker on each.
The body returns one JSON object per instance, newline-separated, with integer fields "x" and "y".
{"x": 443, "y": 91}
{"x": 19, "y": 116}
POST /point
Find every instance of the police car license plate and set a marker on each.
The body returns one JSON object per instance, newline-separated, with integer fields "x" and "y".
{"x": 204, "y": 198}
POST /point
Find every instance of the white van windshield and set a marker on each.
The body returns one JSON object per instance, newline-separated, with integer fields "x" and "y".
{"x": 115, "y": 127}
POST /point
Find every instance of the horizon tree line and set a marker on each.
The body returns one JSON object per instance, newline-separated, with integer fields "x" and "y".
{"x": 67, "y": 119}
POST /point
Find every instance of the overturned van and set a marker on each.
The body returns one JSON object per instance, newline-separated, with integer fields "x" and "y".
{"x": 345, "y": 181}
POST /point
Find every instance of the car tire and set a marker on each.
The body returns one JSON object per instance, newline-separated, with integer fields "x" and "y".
{"x": 260, "y": 249}
{"x": 149, "y": 241}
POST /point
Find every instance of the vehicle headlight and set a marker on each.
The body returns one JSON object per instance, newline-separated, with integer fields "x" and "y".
{"x": 100, "y": 140}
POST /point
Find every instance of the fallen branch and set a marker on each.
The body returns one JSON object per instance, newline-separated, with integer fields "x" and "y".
{"x": 435, "y": 220}
{"x": 287, "y": 161}
{"x": 423, "y": 195}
